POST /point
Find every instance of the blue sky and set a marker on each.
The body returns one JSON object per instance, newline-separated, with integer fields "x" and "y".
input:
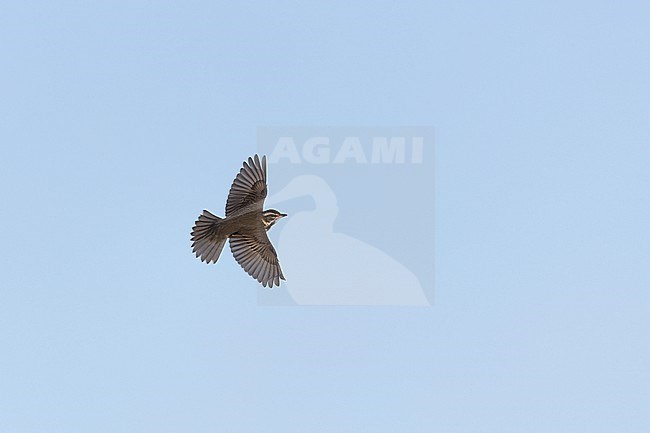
{"x": 120, "y": 121}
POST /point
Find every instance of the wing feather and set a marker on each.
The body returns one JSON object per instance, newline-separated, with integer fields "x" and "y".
{"x": 249, "y": 189}
{"x": 255, "y": 254}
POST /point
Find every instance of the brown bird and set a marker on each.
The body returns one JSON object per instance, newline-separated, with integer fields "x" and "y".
{"x": 245, "y": 225}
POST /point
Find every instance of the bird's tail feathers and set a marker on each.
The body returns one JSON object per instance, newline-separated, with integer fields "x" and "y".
{"x": 207, "y": 240}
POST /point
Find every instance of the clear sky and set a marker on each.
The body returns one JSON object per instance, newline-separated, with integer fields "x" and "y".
{"x": 120, "y": 121}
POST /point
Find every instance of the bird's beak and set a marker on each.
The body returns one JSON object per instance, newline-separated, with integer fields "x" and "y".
{"x": 282, "y": 215}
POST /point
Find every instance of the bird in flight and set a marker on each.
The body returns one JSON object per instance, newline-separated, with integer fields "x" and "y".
{"x": 245, "y": 224}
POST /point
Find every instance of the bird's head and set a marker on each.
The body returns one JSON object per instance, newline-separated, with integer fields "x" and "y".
{"x": 270, "y": 216}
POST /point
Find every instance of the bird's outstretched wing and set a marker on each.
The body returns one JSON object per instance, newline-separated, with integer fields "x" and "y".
{"x": 248, "y": 190}
{"x": 254, "y": 252}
